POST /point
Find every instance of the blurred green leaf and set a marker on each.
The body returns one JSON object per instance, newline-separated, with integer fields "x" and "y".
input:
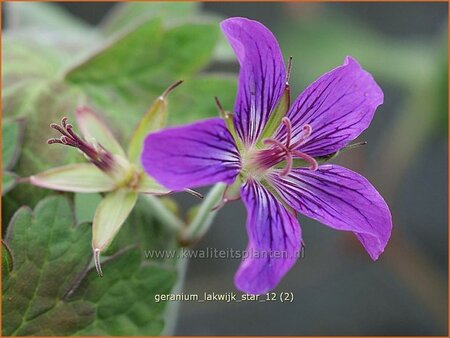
{"x": 124, "y": 299}
{"x": 85, "y": 206}
{"x": 41, "y": 15}
{"x": 31, "y": 91}
{"x": 9, "y": 180}
{"x": 46, "y": 76}
{"x": 12, "y": 133}
{"x": 126, "y": 14}
{"x": 50, "y": 291}
{"x": 7, "y": 261}
{"x": 125, "y": 77}
{"x": 27, "y": 68}
{"x": 119, "y": 60}
{"x": 195, "y": 98}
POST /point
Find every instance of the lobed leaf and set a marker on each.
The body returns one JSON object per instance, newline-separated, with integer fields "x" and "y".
{"x": 51, "y": 290}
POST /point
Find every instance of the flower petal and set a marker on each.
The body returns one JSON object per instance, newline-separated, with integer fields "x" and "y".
{"x": 262, "y": 76}
{"x": 338, "y": 106}
{"x": 79, "y": 177}
{"x": 274, "y": 241}
{"x": 341, "y": 199}
{"x": 190, "y": 156}
{"x": 92, "y": 127}
{"x": 112, "y": 211}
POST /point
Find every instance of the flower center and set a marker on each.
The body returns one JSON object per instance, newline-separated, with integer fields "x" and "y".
{"x": 259, "y": 161}
{"x": 95, "y": 152}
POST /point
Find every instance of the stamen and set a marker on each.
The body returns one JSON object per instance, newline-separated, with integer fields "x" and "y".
{"x": 279, "y": 151}
{"x": 306, "y": 132}
{"x": 287, "y": 169}
{"x": 313, "y": 165}
{"x": 288, "y": 125}
{"x": 273, "y": 142}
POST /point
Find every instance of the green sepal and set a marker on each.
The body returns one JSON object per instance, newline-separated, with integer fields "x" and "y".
{"x": 94, "y": 128}
{"x": 112, "y": 211}
{"x": 77, "y": 177}
{"x": 153, "y": 120}
{"x": 148, "y": 185}
{"x": 276, "y": 116}
{"x": 228, "y": 118}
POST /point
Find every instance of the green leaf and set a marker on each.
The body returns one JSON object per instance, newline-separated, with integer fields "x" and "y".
{"x": 30, "y": 91}
{"x": 195, "y": 98}
{"x": 188, "y": 47}
{"x": 49, "y": 253}
{"x": 124, "y": 299}
{"x": 52, "y": 291}
{"x": 7, "y": 261}
{"x": 85, "y": 206}
{"x": 41, "y": 15}
{"x": 9, "y": 180}
{"x": 126, "y": 14}
{"x": 12, "y": 134}
{"x": 124, "y": 78}
{"x": 118, "y": 62}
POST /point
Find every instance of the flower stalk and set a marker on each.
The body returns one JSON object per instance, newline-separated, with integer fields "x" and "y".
{"x": 205, "y": 215}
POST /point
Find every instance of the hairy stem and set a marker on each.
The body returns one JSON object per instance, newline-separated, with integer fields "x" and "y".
{"x": 164, "y": 215}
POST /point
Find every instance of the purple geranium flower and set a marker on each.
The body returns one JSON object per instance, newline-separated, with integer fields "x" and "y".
{"x": 270, "y": 150}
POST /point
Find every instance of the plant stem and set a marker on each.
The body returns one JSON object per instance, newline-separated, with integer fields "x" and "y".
{"x": 205, "y": 215}
{"x": 165, "y": 215}
{"x": 171, "y": 313}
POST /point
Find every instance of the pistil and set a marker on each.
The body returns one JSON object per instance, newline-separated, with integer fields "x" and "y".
{"x": 262, "y": 160}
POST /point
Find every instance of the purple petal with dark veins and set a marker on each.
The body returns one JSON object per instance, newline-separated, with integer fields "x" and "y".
{"x": 190, "y": 156}
{"x": 339, "y": 106}
{"x": 274, "y": 241}
{"x": 262, "y": 75}
{"x": 341, "y": 199}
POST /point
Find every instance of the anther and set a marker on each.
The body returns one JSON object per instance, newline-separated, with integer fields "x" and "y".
{"x": 306, "y": 132}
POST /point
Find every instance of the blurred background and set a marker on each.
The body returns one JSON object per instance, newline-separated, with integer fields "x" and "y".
{"x": 338, "y": 290}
